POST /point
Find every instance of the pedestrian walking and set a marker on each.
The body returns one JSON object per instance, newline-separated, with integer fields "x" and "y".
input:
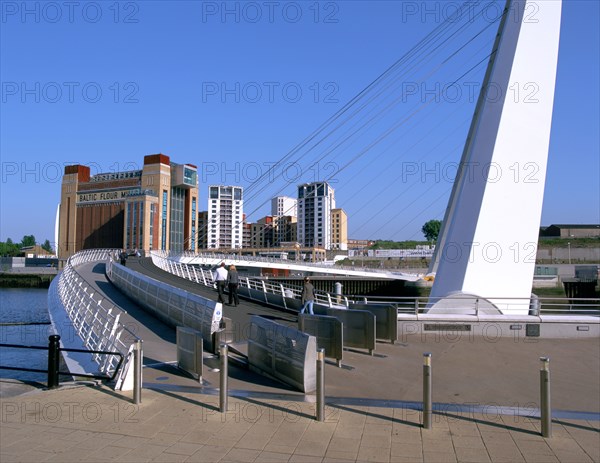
{"x": 220, "y": 277}
{"x": 308, "y": 296}
{"x": 233, "y": 281}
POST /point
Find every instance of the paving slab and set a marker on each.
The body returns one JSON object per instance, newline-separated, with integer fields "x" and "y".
{"x": 108, "y": 435}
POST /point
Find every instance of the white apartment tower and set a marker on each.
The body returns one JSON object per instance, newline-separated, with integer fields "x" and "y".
{"x": 315, "y": 203}
{"x": 283, "y": 205}
{"x": 225, "y": 217}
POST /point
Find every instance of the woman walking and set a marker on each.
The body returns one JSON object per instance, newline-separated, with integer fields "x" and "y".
{"x": 233, "y": 281}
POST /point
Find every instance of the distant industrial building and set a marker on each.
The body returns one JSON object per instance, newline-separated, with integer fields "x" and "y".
{"x": 359, "y": 244}
{"x": 152, "y": 208}
{"x": 570, "y": 231}
{"x": 225, "y": 221}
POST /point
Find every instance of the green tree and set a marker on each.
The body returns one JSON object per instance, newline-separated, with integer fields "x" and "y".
{"x": 431, "y": 230}
{"x": 28, "y": 240}
{"x": 9, "y": 249}
{"x": 46, "y": 246}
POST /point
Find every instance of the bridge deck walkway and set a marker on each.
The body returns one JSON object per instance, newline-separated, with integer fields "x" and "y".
{"x": 466, "y": 369}
{"x": 160, "y": 354}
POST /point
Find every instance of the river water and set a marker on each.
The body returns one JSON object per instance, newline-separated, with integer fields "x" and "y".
{"x": 24, "y": 320}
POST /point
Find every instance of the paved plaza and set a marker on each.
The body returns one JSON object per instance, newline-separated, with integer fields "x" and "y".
{"x": 95, "y": 423}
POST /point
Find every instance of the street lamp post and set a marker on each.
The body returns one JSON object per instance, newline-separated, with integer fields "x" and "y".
{"x": 569, "y": 246}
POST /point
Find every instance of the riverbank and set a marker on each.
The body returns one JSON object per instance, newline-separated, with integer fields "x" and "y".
{"x": 26, "y": 280}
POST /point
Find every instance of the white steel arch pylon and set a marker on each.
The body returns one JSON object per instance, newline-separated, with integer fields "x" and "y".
{"x": 488, "y": 242}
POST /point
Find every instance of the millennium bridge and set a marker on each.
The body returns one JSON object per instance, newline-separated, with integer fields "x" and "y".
{"x": 104, "y": 305}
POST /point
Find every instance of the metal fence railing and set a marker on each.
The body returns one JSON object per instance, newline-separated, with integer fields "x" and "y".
{"x": 53, "y": 349}
{"x": 164, "y": 261}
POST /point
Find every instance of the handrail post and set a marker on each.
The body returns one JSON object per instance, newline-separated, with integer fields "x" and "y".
{"x": 53, "y": 360}
{"x": 320, "y": 384}
{"x": 223, "y": 352}
{"x": 427, "y": 405}
{"x": 545, "y": 404}
{"x": 137, "y": 371}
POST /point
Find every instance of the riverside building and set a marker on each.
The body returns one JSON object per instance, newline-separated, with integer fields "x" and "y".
{"x": 152, "y": 208}
{"x": 315, "y": 203}
{"x": 225, "y": 218}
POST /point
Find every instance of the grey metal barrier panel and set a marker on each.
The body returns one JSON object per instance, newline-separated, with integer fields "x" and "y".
{"x": 293, "y": 303}
{"x": 251, "y": 293}
{"x": 190, "y": 350}
{"x": 359, "y": 327}
{"x": 386, "y": 317}
{"x": 275, "y": 299}
{"x": 283, "y": 352}
{"x": 172, "y": 305}
{"x": 328, "y": 331}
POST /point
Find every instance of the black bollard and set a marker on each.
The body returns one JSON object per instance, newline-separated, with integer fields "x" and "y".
{"x": 53, "y": 360}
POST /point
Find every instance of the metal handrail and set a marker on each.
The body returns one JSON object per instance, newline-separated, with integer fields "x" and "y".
{"x": 65, "y": 373}
{"x": 260, "y": 284}
{"x": 97, "y": 325}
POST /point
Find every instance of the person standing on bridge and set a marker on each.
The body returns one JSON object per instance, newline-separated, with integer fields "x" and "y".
{"x": 220, "y": 276}
{"x": 233, "y": 281}
{"x": 308, "y": 296}
{"x": 123, "y": 257}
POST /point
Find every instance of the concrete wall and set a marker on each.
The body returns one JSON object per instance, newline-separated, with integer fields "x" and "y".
{"x": 561, "y": 255}
{"x": 456, "y": 327}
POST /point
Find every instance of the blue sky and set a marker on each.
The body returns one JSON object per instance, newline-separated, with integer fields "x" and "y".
{"x": 233, "y": 87}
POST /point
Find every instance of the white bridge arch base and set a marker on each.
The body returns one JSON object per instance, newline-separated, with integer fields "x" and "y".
{"x": 462, "y": 303}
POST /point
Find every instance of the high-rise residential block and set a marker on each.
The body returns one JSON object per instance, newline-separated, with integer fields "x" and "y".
{"x": 315, "y": 202}
{"x": 225, "y": 217}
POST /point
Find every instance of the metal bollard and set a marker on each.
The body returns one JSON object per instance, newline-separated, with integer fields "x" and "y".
{"x": 223, "y": 351}
{"x": 545, "y": 405}
{"x": 321, "y": 384}
{"x": 138, "y": 355}
{"x": 427, "y": 405}
{"x": 53, "y": 360}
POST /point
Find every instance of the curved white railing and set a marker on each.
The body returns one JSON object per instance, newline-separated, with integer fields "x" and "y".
{"x": 165, "y": 261}
{"x": 92, "y": 318}
{"x": 242, "y": 260}
{"x": 171, "y": 262}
